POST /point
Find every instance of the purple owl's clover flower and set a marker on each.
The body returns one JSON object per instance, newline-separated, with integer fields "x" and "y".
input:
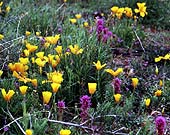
{"x": 61, "y": 105}
{"x": 160, "y": 123}
{"x": 85, "y": 102}
{"x": 100, "y": 22}
{"x": 116, "y": 84}
{"x": 105, "y": 38}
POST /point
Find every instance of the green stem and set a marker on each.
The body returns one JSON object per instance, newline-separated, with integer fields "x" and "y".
{"x": 24, "y": 106}
{"x": 98, "y": 81}
{"x": 54, "y": 105}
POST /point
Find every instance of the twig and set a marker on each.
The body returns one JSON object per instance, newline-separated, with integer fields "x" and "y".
{"x": 15, "y": 121}
{"x": 96, "y": 118}
{"x": 18, "y": 26}
{"x": 12, "y": 40}
{"x": 10, "y": 123}
{"x": 122, "y": 128}
{"x": 116, "y": 132}
{"x": 70, "y": 124}
{"x": 60, "y": 7}
{"x": 139, "y": 40}
{"x": 138, "y": 131}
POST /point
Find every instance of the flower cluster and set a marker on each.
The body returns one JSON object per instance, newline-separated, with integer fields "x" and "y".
{"x": 160, "y": 122}
{"x": 128, "y": 12}
{"x": 103, "y": 33}
{"x": 85, "y": 102}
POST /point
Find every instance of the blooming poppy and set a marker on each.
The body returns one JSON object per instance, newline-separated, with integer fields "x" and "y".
{"x": 141, "y": 9}
{"x": 55, "y": 87}
{"x": 65, "y": 132}
{"x": 135, "y": 82}
{"x": 147, "y": 102}
{"x": 114, "y": 73}
{"x": 158, "y": 93}
{"x": 7, "y": 96}
{"x": 28, "y": 132}
{"x": 78, "y": 16}
{"x": 23, "y": 89}
{"x": 46, "y": 96}
{"x": 98, "y": 65}
{"x": 92, "y": 87}
{"x": 117, "y": 97}
{"x": 27, "y": 33}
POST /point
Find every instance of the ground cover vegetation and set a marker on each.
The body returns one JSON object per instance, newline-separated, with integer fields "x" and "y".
{"x": 84, "y": 67}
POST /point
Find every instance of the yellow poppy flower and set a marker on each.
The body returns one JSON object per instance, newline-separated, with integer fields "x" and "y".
{"x": 98, "y": 65}
{"x": 37, "y": 33}
{"x": 57, "y": 78}
{"x": 52, "y": 39}
{"x": 57, "y": 58}
{"x": 23, "y": 89}
{"x": 7, "y": 9}
{"x": 46, "y": 45}
{"x": 50, "y": 58}
{"x": 31, "y": 48}
{"x": 24, "y": 61}
{"x": 117, "y": 97}
{"x": 114, "y": 9}
{"x": 55, "y": 87}
{"x": 119, "y": 13}
{"x": 147, "y": 102}
{"x": 158, "y": 93}
{"x": 73, "y": 21}
{"x": 65, "y": 132}
{"x": 18, "y": 67}
{"x": 7, "y": 96}
{"x": 26, "y": 52}
{"x": 40, "y": 55}
{"x": 78, "y": 16}
{"x": 135, "y": 82}
{"x": 54, "y": 63}
{"x": 27, "y": 33}
{"x": 1, "y": 36}
{"x": 24, "y": 79}
{"x": 114, "y": 73}
{"x": 75, "y": 49}
{"x": 86, "y": 24}
{"x": 46, "y": 96}
{"x": 92, "y": 88}
{"x": 29, "y": 132}
{"x": 58, "y": 49}
{"x": 141, "y": 9}
{"x": 39, "y": 62}
{"x": 34, "y": 82}
{"x": 128, "y": 12}
{"x": 1, "y": 72}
